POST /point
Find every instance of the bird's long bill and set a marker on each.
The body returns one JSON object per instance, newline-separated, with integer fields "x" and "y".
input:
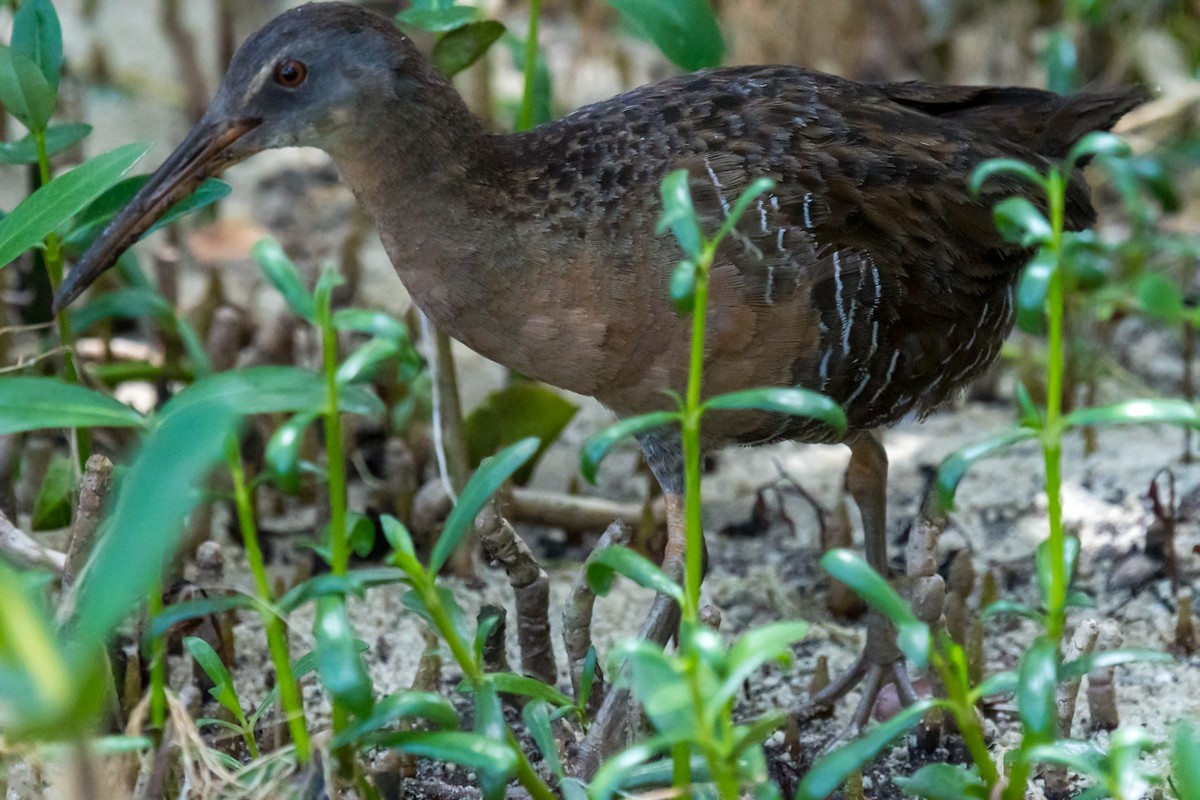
{"x": 204, "y": 153}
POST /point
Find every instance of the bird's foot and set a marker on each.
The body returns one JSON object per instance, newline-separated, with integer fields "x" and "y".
{"x": 874, "y": 678}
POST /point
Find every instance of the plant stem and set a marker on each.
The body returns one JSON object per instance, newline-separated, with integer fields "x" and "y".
{"x": 474, "y": 674}
{"x": 339, "y": 548}
{"x": 158, "y": 665}
{"x": 53, "y": 260}
{"x": 1052, "y": 435}
{"x": 289, "y": 693}
{"x": 690, "y": 432}
{"x": 958, "y": 687}
{"x": 525, "y": 117}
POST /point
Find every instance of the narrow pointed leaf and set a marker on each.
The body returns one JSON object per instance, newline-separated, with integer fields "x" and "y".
{"x": 598, "y": 445}
{"x": 282, "y": 274}
{"x": 1166, "y": 411}
{"x": 271, "y": 390}
{"x": 58, "y": 139}
{"x": 1008, "y": 167}
{"x": 794, "y": 401}
{"x": 1185, "y": 760}
{"x": 1110, "y": 658}
{"x": 830, "y": 771}
{"x": 1004, "y": 682}
{"x": 602, "y": 566}
{"x": 1043, "y": 565}
{"x": 438, "y": 20}
{"x": 283, "y": 451}
{"x": 748, "y": 196}
{"x": 912, "y": 635}
{"x": 51, "y": 205}
{"x": 403, "y": 705}
{"x": 339, "y": 663}
{"x": 456, "y": 747}
{"x": 355, "y": 582}
{"x": 617, "y": 769}
{"x": 537, "y": 722}
{"x": 92, "y": 220}
{"x": 1031, "y": 293}
{"x": 195, "y": 609}
{"x": 223, "y": 690}
{"x": 755, "y": 648}
{"x": 29, "y": 404}
{"x": 523, "y": 685}
{"x": 146, "y": 523}
{"x": 951, "y": 470}
{"x": 679, "y": 215}
{"x": 490, "y": 476}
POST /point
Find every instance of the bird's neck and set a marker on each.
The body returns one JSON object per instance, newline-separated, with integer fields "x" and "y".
{"x": 438, "y": 187}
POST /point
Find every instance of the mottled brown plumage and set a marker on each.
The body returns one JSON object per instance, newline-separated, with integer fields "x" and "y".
{"x": 869, "y": 273}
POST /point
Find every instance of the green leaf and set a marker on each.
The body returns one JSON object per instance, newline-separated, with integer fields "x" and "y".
{"x": 1061, "y": 60}
{"x": 1004, "y": 682}
{"x": 99, "y": 213}
{"x": 537, "y": 722}
{"x": 943, "y": 782}
{"x": 616, "y": 769}
{"x": 175, "y": 613}
{"x": 490, "y": 476}
{"x": 1167, "y": 411}
{"x": 1019, "y": 221}
{"x": 282, "y": 273}
{"x": 438, "y": 20}
{"x": 754, "y": 648}
{"x": 514, "y": 413}
{"x": 596, "y": 446}
{"x": 356, "y": 582}
{"x": 489, "y": 722}
{"x": 679, "y": 215}
{"x": 126, "y": 303}
{"x": 1099, "y": 143}
{"x": 456, "y": 747}
{"x": 374, "y": 323}
{"x": 602, "y": 566}
{"x": 24, "y": 90}
{"x": 339, "y": 665}
{"x": 830, "y": 771}
{"x": 146, "y": 522}
{"x": 282, "y": 458}
{"x": 31, "y": 404}
{"x": 1012, "y": 607}
{"x": 1110, "y": 658}
{"x": 52, "y": 507}
{"x": 361, "y": 365}
{"x": 1159, "y": 297}
{"x": 954, "y": 467}
{"x": 404, "y": 554}
{"x": 683, "y": 286}
{"x": 748, "y": 196}
{"x": 523, "y": 685}
{"x": 58, "y": 139}
{"x": 1035, "y": 691}
{"x": 794, "y": 401}
{"x": 1042, "y": 561}
{"x": 912, "y": 635}
{"x": 686, "y": 31}
{"x": 60, "y": 199}
{"x": 223, "y": 690}
{"x": 458, "y": 49}
{"x": 1031, "y": 292}
{"x": 271, "y": 390}
{"x": 1185, "y": 760}
{"x": 36, "y": 33}
{"x": 395, "y": 707}
{"x": 413, "y": 601}
{"x": 1005, "y": 166}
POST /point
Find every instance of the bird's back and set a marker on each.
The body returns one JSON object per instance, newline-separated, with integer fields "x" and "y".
{"x": 869, "y": 273}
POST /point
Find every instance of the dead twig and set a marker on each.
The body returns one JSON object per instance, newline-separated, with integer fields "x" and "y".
{"x": 94, "y": 489}
{"x": 531, "y": 591}
{"x": 577, "y": 617}
{"x": 18, "y": 545}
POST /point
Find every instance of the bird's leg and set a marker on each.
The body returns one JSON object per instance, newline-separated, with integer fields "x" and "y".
{"x": 880, "y": 662}
{"x": 609, "y": 730}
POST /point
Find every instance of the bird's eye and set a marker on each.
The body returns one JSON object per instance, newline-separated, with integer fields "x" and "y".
{"x": 290, "y": 73}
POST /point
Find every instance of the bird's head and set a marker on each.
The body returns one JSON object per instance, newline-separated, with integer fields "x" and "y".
{"x": 315, "y": 76}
